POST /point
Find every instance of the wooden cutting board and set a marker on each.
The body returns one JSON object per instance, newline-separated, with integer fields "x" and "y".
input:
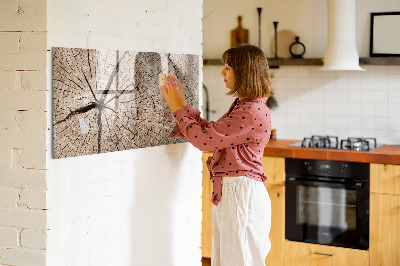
{"x": 239, "y": 35}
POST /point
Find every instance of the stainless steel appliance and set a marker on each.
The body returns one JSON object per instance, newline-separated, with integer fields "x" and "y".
{"x": 327, "y": 202}
{"x": 332, "y": 142}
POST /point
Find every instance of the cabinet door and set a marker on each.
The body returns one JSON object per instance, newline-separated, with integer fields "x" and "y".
{"x": 385, "y": 178}
{"x": 206, "y": 232}
{"x": 304, "y": 254}
{"x": 274, "y": 168}
{"x": 384, "y": 230}
{"x": 277, "y": 233}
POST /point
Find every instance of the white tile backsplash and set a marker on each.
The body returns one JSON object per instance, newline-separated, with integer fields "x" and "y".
{"x": 343, "y": 103}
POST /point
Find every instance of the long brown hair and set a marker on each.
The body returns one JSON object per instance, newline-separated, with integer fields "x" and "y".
{"x": 250, "y": 66}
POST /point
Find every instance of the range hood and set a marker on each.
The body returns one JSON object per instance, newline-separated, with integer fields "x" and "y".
{"x": 341, "y": 51}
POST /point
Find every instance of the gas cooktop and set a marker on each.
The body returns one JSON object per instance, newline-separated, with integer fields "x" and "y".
{"x": 332, "y": 142}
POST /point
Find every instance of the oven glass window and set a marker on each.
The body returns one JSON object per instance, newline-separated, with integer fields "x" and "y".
{"x": 326, "y": 207}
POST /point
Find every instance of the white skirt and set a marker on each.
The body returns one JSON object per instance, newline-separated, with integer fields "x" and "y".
{"x": 241, "y": 223}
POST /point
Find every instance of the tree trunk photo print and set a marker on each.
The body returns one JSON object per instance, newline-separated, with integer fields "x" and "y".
{"x": 108, "y": 100}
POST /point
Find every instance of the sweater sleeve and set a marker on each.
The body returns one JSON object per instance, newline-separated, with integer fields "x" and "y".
{"x": 193, "y": 113}
{"x": 232, "y": 130}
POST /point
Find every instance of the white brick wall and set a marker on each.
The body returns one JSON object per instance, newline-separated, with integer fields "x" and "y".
{"x": 136, "y": 207}
{"x": 22, "y": 132}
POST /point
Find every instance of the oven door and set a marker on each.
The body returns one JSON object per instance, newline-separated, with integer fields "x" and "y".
{"x": 327, "y": 213}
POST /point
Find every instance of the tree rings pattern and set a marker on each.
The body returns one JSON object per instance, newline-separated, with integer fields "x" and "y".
{"x": 108, "y": 100}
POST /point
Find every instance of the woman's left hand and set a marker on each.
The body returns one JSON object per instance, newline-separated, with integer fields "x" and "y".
{"x": 171, "y": 95}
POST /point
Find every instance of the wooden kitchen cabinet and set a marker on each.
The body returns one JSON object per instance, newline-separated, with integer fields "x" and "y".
{"x": 274, "y": 168}
{"x": 384, "y": 237}
{"x": 206, "y": 225}
{"x": 385, "y": 178}
{"x": 277, "y": 233}
{"x": 305, "y": 254}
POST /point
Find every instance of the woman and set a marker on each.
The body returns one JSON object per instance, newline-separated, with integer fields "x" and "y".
{"x": 242, "y": 208}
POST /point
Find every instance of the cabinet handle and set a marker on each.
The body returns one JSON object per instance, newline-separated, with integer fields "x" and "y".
{"x": 324, "y": 254}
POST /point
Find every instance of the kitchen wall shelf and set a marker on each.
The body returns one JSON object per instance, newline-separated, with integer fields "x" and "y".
{"x": 275, "y": 63}
{"x": 380, "y": 61}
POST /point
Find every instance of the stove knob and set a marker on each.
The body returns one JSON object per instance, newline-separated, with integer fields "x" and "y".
{"x": 343, "y": 168}
{"x": 308, "y": 166}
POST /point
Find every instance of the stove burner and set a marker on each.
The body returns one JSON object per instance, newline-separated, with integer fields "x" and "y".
{"x": 332, "y": 142}
{"x": 328, "y": 142}
{"x": 358, "y": 144}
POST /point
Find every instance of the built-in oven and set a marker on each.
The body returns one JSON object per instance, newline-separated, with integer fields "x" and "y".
{"x": 327, "y": 202}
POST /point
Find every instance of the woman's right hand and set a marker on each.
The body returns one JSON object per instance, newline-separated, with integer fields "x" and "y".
{"x": 181, "y": 91}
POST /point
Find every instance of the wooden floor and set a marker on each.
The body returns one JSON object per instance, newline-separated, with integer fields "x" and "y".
{"x": 206, "y": 261}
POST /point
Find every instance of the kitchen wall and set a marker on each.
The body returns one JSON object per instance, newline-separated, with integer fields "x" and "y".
{"x": 343, "y": 103}
{"x": 23, "y": 133}
{"x": 135, "y": 207}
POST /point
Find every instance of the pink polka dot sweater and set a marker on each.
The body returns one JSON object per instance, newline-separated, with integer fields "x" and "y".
{"x": 238, "y": 139}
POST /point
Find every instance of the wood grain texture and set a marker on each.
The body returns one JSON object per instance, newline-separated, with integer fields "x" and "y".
{"x": 274, "y": 168}
{"x": 384, "y": 230}
{"x": 277, "y": 233}
{"x": 385, "y": 178}
{"x": 305, "y": 254}
{"x": 206, "y": 225}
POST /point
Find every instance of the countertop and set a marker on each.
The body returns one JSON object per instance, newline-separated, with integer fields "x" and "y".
{"x": 388, "y": 154}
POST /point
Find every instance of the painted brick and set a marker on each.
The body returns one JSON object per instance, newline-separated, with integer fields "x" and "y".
{"x": 8, "y": 197}
{"x": 145, "y": 45}
{"x": 31, "y": 80}
{"x": 33, "y": 7}
{"x": 168, "y": 19}
{"x": 23, "y": 22}
{"x": 16, "y": 158}
{"x": 7, "y": 80}
{"x": 32, "y": 61}
{"x": 189, "y": 47}
{"x": 79, "y": 228}
{"x": 33, "y": 120}
{"x": 179, "y": 7}
{"x": 12, "y": 138}
{"x": 12, "y": 256}
{"x": 31, "y": 53}
{"x": 9, "y": 237}
{"x": 8, "y": 6}
{"x": 149, "y": 6}
{"x": 196, "y": 38}
{"x": 33, "y": 42}
{"x": 197, "y": 10}
{"x": 22, "y": 100}
{"x": 136, "y": 17}
{"x": 33, "y": 239}
{"x": 112, "y": 28}
{"x": 104, "y": 11}
{"x": 154, "y": 32}
{"x": 9, "y": 42}
{"x": 33, "y": 159}
{"x": 23, "y": 178}
{"x": 33, "y": 199}
{"x": 172, "y": 47}
{"x": 191, "y": 23}
{"x": 98, "y": 222}
{"x": 5, "y": 158}
{"x": 23, "y": 218}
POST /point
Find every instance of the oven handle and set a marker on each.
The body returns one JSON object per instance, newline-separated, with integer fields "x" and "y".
{"x": 357, "y": 185}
